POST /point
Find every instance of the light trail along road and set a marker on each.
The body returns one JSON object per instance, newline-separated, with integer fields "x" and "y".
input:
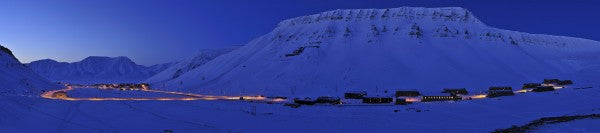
{"x": 62, "y": 95}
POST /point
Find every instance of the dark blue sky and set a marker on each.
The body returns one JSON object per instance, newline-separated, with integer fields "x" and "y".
{"x": 158, "y": 31}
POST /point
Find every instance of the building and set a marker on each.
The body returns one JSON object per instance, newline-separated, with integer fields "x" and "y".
{"x": 330, "y": 100}
{"x": 455, "y": 91}
{"x": 401, "y": 101}
{"x": 376, "y": 100}
{"x": 60, "y": 94}
{"x": 500, "y": 88}
{"x": 499, "y": 93}
{"x": 355, "y": 94}
{"x": 440, "y": 98}
{"x": 305, "y": 101}
{"x": 407, "y": 93}
{"x": 565, "y": 82}
{"x": 551, "y": 81}
{"x": 530, "y": 85}
{"x": 543, "y": 88}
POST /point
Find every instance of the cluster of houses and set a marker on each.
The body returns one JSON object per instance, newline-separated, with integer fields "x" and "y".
{"x": 403, "y": 97}
{"x": 123, "y": 87}
{"x": 60, "y": 94}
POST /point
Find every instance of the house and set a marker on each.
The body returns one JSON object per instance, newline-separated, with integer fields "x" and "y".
{"x": 401, "y": 101}
{"x": 330, "y": 100}
{"x": 500, "y": 88}
{"x": 60, "y": 94}
{"x": 499, "y": 93}
{"x": 543, "y": 88}
{"x": 440, "y": 98}
{"x": 355, "y": 94}
{"x": 565, "y": 82}
{"x": 407, "y": 93}
{"x": 551, "y": 81}
{"x": 305, "y": 101}
{"x": 530, "y": 85}
{"x": 376, "y": 100}
{"x": 455, "y": 91}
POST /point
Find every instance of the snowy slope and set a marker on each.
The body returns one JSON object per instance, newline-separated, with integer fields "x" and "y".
{"x": 376, "y": 49}
{"x": 95, "y": 69}
{"x": 16, "y": 79}
{"x": 188, "y": 64}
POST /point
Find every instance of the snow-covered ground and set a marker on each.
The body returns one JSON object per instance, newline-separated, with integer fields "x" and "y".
{"x": 578, "y": 126}
{"x": 358, "y": 50}
{"x": 481, "y": 115}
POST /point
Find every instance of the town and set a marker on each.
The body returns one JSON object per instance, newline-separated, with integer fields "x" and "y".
{"x": 400, "y": 97}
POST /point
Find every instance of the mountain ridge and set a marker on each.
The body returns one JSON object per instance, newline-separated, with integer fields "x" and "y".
{"x": 94, "y": 69}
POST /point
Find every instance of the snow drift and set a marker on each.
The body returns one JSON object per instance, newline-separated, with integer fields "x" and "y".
{"x": 387, "y": 49}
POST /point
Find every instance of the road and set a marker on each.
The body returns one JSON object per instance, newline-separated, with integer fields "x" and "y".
{"x": 187, "y": 96}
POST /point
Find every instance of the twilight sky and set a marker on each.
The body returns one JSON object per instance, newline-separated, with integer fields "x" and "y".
{"x": 159, "y": 31}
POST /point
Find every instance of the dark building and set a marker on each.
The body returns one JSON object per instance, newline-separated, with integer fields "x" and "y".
{"x": 565, "y": 82}
{"x": 375, "y": 100}
{"x": 500, "y": 88}
{"x": 499, "y": 93}
{"x": 305, "y": 101}
{"x": 330, "y": 100}
{"x": 407, "y": 93}
{"x": 455, "y": 91}
{"x": 440, "y": 98}
{"x": 355, "y": 94}
{"x": 401, "y": 101}
{"x": 551, "y": 81}
{"x": 530, "y": 85}
{"x": 543, "y": 88}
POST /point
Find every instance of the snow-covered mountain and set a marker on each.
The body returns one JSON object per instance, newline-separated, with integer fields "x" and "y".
{"x": 95, "y": 69}
{"x": 15, "y": 78}
{"x": 388, "y": 49}
{"x": 188, "y": 64}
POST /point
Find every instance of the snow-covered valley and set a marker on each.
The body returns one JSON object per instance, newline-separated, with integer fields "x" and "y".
{"x": 376, "y": 51}
{"x": 481, "y": 115}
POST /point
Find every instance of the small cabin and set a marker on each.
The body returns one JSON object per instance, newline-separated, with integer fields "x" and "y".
{"x": 551, "y": 81}
{"x": 330, "y": 100}
{"x": 440, "y": 98}
{"x": 543, "y": 88}
{"x": 401, "y": 101}
{"x": 305, "y": 101}
{"x": 376, "y": 100}
{"x": 455, "y": 91}
{"x": 355, "y": 94}
{"x": 407, "y": 93}
{"x": 565, "y": 82}
{"x": 60, "y": 94}
{"x": 499, "y": 93}
{"x": 530, "y": 85}
{"x": 500, "y": 88}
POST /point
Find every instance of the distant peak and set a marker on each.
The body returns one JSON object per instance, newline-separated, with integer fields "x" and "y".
{"x": 46, "y": 60}
{"x": 104, "y": 58}
{"x": 456, "y": 14}
{"x": 7, "y": 51}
